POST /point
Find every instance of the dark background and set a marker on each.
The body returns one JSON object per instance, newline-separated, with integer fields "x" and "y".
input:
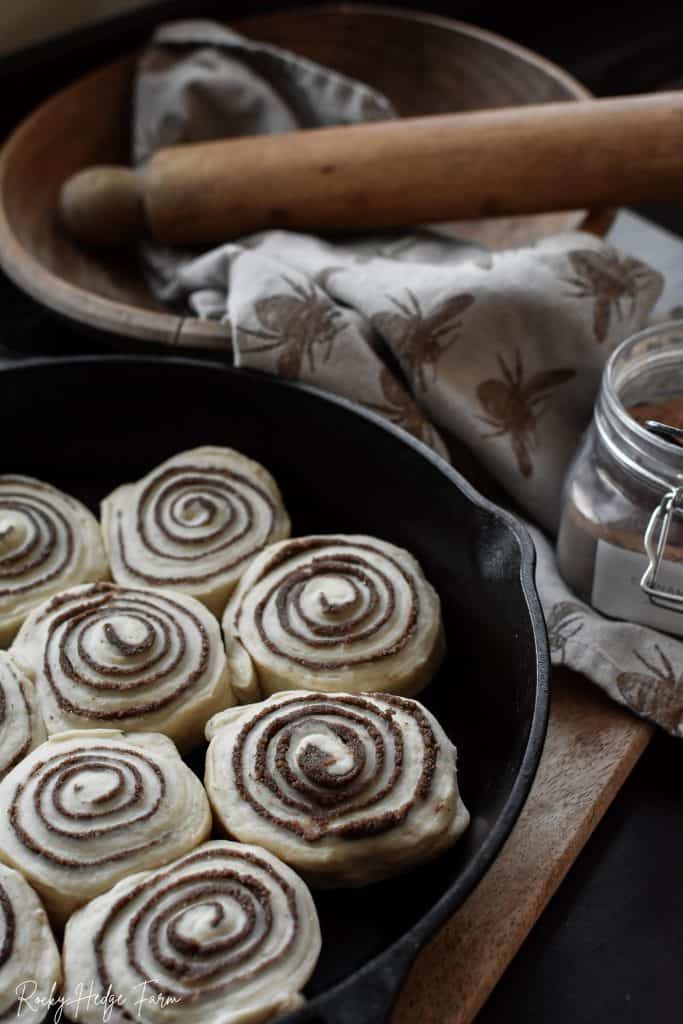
{"x": 609, "y": 947}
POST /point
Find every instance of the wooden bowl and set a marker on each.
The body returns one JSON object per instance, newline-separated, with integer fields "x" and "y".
{"x": 424, "y": 64}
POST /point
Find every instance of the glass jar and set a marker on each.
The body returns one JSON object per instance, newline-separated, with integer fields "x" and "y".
{"x": 620, "y": 542}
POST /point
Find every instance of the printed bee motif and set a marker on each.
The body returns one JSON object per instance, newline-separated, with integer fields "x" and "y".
{"x": 609, "y": 280}
{"x": 399, "y": 408}
{"x": 514, "y": 407}
{"x": 303, "y": 325}
{"x": 422, "y": 338}
{"x": 563, "y": 623}
{"x": 657, "y": 695}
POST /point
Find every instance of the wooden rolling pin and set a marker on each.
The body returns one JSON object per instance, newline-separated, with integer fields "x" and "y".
{"x": 517, "y": 160}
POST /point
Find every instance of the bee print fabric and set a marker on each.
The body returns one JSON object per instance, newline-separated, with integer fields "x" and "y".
{"x": 499, "y": 352}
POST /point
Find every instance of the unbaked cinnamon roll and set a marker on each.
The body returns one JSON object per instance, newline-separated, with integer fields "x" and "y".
{"x": 30, "y": 964}
{"x": 346, "y": 788}
{"x": 225, "y": 935}
{"x": 88, "y": 808}
{"x": 48, "y": 542}
{"x": 333, "y": 613}
{"x": 193, "y": 524}
{"x": 103, "y": 655}
{"x": 21, "y": 727}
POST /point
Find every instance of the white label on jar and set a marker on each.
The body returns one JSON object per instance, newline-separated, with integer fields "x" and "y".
{"x": 616, "y": 588}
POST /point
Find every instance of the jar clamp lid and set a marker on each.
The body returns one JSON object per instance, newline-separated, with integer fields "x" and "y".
{"x": 652, "y": 360}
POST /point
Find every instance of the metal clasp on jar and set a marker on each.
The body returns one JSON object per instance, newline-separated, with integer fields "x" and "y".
{"x": 655, "y": 540}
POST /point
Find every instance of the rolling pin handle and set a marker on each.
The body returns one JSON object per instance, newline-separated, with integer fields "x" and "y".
{"x": 103, "y": 205}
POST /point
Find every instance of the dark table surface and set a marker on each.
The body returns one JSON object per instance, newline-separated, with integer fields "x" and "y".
{"x": 608, "y": 948}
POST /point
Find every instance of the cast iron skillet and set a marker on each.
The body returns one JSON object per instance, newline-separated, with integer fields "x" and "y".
{"x": 89, "y": 423}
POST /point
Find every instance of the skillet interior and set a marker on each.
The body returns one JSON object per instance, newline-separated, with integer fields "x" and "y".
{"x": 87, "y": 424}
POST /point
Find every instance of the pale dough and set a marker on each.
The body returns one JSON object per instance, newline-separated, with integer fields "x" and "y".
{"x": 133, "y": 659}
{"x": 48, "y": 542}
{"x": 333, "y": 613}
{"x": 21, "y": 726}
{"x": 85, "y": 809}
{"x": 228, "y": 931}
{"x": 193, "y": 524}
{"x": 346, "y": 788}
{"x": 30, "y": 964}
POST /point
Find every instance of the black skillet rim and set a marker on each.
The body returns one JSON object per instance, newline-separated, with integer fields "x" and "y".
{"x": 380, "y": 979}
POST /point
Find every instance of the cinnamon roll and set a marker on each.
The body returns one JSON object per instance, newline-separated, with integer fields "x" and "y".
{"x": 346, "y": 788}
{"x": 333, "y": 613}
{"x": 85, "y": 809}
{"x": 225, "y": 935}
{"x": 193, "y": 524}
{"x": 21, "y": 727}
{"x": 104, "y": 655}
{"x": 30, "y": 964}
{"x": 48, "y": 541}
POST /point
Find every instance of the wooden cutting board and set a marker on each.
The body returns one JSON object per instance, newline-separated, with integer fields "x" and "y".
{"x": 592, "y": 746}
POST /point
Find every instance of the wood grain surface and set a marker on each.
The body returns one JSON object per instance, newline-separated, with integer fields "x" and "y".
{"x": 389, "y": 174}
{"x": 592, "y": 746}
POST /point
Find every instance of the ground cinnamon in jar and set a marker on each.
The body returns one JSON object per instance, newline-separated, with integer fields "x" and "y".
{"x": 669, "y": 411}
{"x": 619, "y": 476}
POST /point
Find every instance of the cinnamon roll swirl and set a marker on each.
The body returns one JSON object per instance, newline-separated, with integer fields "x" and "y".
{"x": 104, "y": 655}
{"x": 85, "y": 809}
{"x": 21, "y": 727}
{"x": 48, "y": 541}
{"x": 30, "y": 964}
{"x": 346, "y": 788}
{"x": 193, "y": 524}
{"x": 333, "y": 613}
{"x": 225, "y": 935}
